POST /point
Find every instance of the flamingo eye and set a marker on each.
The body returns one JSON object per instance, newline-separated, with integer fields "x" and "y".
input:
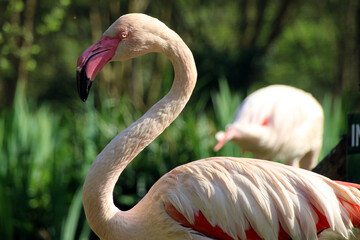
{"x": 124, "y": 35}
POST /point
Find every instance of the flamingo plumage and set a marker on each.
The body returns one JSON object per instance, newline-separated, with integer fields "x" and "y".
{"x": 278, "y": 122}
{"x": 214, "y": 198}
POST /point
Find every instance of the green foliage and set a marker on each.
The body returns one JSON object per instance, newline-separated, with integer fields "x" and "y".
{"x": 72, "y": 220}
{"x": 301, "y": 57}
{"x": 334, "y": 123}
{"x": 25, "y": 155}
{"x": 54, "y": 19}
{"x": 36, "y": 158}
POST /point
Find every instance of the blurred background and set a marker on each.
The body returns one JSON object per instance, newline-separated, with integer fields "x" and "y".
{"x": 49, "y": 137}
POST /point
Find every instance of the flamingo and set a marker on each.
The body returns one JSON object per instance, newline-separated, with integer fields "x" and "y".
{"x": 214, "y": 198}
{"x": 278, "y": 122}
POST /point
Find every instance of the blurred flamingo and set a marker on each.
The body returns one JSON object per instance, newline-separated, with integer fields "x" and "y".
{"x": 215, "y": 198}
{"x": 278, "y": 122}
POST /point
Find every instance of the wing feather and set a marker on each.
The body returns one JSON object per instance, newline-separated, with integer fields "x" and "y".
{"x": 244, "y": 195}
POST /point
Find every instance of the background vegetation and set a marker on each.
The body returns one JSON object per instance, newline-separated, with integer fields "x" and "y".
{"x": 48, "y": 137}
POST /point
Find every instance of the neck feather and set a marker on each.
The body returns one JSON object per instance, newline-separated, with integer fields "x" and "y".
{"x": 100, "y": 210}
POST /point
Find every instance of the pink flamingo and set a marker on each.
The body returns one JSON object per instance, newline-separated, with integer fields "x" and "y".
{"x": 278, "y": 122}
{"x": 215, "y": 198}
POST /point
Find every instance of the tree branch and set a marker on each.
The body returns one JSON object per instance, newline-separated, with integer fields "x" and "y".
{"x": 243, "y": 21}
{"x": 278, "y": 23}
{"x": 260, "y": 6}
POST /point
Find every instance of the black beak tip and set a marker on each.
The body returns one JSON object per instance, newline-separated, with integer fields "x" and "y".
{"x": 83, "y": 84}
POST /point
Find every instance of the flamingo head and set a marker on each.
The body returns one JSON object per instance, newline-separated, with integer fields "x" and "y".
{"x": 129, "y": 36}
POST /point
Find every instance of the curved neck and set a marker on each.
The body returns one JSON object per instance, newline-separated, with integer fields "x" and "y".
{"x": 108, "y": 165}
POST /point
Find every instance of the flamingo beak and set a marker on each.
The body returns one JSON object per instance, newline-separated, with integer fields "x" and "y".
{"x": 224, "y": 137}
{"x": 92, "y": 61}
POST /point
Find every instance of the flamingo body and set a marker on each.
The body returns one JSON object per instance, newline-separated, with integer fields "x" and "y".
{"x": 215, "y": 198}
{"x": 253, "y": 199}
{"x": 278, "y": 122}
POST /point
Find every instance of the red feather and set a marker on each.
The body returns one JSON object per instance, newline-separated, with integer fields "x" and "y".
{"x": 348, "y": 184}
{"x": 354, "y": 210}
{"x": 265, "y": 122}
{"x": 322, "y": 223}
{"x": 202, "y": 225}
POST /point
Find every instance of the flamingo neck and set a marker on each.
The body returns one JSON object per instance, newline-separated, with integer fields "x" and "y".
{"x": 103, "y": 216}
